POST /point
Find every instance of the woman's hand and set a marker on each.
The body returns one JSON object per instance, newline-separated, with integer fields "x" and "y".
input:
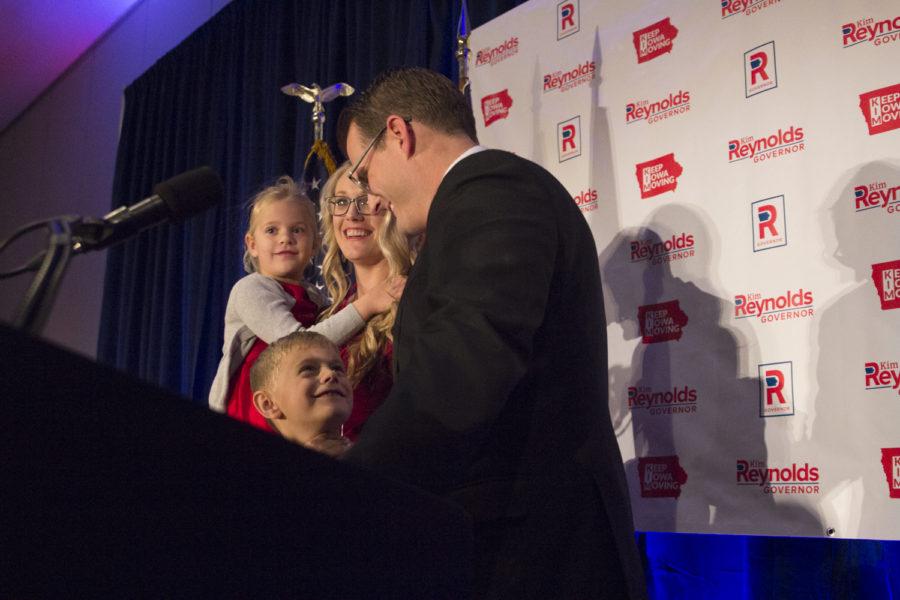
{"x": 381, "y": 297}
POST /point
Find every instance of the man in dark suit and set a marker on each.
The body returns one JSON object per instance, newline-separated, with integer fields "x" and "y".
{"x": 500, "y": 394}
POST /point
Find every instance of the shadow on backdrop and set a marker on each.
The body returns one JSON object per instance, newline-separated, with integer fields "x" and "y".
{"x": 847, "y": 418}
{"x": 693, "y": 404}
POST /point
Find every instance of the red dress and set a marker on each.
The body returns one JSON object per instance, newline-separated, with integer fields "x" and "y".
{"x": 240, "y": 398}
{"x": 369, "y": 393}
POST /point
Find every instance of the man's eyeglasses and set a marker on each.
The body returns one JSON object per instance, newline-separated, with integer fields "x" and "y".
{"x": 341, "y": 204}
{"x": 363, "y": 182}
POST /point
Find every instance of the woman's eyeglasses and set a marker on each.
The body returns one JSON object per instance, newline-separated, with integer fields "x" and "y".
{"x": 341, "y": 204}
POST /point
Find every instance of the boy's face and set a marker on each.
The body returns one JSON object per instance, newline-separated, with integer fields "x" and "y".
{"x": 312, "y": 391}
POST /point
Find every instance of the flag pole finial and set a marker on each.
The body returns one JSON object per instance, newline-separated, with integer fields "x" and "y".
{"x": 316, "y": 96}
{"x": 462, "y": 46}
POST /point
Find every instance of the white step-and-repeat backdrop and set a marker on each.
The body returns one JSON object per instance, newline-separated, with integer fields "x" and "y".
{"x": 739, "y": 165}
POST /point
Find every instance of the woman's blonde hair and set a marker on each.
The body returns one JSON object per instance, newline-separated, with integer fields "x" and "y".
{"x": 284, "y": 188}
{"x": 365, "y": 351}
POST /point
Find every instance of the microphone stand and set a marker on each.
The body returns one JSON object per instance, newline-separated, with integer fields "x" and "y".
{"x": 173, "y": 199}
{"x": 32, "y": 314}
{"x": 69, "y": 234}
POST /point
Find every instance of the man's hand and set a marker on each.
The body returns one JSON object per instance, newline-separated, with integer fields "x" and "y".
{"x": 328, "y": 443}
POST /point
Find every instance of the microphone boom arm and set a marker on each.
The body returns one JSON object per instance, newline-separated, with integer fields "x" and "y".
{"x": 32, "y": 314}
{"x": 173, "y": 200}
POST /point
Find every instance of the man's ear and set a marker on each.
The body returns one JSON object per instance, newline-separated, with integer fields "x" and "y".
{"x": 251, "y": 245}
{"x": 401, "y": 131}
{"x": 266, "y": 406}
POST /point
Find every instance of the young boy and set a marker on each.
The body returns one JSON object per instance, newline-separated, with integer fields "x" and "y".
{"x": 301, "y": 387}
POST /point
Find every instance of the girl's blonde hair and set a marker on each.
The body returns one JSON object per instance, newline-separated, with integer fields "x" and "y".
{"x": 284, "y": 188}
{"x": 366, "y": 350}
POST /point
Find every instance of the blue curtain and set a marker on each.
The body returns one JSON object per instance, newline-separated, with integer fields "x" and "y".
{"x": 215, "y": 100}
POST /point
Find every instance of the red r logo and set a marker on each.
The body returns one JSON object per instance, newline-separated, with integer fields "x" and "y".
{"x": 567, "y": 12}
{"x": 758, "y": 64}
{"x": 767, "y": 215}
{"x": 568, "y": 137}
{"x": 774, "y": 385}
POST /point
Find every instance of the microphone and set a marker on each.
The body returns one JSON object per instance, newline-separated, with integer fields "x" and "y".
{"x": 173, "y": 200}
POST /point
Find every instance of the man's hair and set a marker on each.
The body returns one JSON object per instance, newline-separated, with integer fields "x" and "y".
{"x": 265, "y": 369}
{"x": 414, "y": 93}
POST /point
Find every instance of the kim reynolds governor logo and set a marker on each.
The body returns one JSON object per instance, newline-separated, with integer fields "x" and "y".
{"x": 871, "y": 32}
{"x": 775, "y": 145}
{"x": 882, "y": 375}
{"x": 731, "y": 8}
{"x": 878, "y": 195}
{"x": 770, "y": 308}
{"x": 796, "y": 479}
{"x": 492, "y": 56}
{"x": 646, "y": 111}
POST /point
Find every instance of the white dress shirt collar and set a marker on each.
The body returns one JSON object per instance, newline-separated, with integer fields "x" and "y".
{"x": 473, "y": 150}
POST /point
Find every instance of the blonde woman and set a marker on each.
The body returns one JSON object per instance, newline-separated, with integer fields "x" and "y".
{"x": 273, "y": 300}
{"x": 377, "y": 252}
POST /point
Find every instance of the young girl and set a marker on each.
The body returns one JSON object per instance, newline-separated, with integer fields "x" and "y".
{"x": 376, "y": 251}
{"x": 273, "y": 301}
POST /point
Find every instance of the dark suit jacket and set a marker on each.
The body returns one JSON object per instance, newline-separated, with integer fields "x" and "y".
{"x": 500, "y": 394}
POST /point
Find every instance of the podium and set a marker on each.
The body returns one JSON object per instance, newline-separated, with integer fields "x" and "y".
{"x": 112, "y": 487}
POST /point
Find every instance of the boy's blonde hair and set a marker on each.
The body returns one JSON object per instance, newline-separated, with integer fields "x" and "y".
{"x": 284, "y": 188}
{"x": 265, "y": 369}
{"x": 364, "y": 352}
